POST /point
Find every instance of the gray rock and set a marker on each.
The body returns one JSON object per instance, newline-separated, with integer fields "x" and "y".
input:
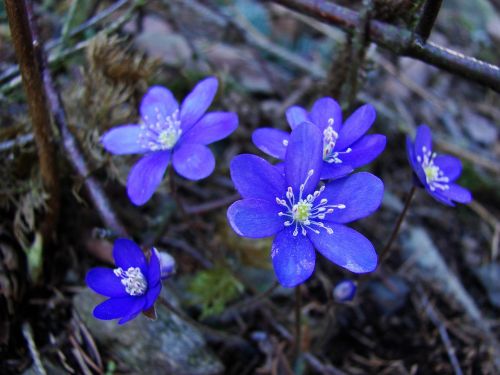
{"x": 168, "y": 345}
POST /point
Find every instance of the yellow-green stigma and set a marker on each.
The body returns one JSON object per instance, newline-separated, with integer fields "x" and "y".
{"x": 168, "y": 138}
{"x": 301, "y": 211}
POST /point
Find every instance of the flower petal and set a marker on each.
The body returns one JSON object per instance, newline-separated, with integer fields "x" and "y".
{"x": 414, "y": 164}
{"x": 152, "y": 295}
{"x": 439, "y": 196}
{"x": 364, "y": 150}
{"x": 356, "y": 126}
{"x": 332, "y": 171}
{"x": 323, "y": 111}
{"x": 154, "y": 269}
{"x": 193, "y": 161}
{"x": 103, "y": 281}
{"x": 255, "y": 218}
{"x": 423, "y": 139}
{"x": 271, "y": 141}
{"x": 158, "y": 100}
{"x": 293, "y": 258}
{"x": 254, "y": 177}
{"x": 123, "y": 140}
{"x": 361, "y": 193}
{"x": 450, "y": 165}
{"x": 197, "y": 102}
{"x": 146, "y": 175}
{"x": 114, "y": 308}
{"x": 346, "y": 248}
{"x": 304, "y": 153}
{"x": 127, "y": 254}
{"x": 212, "y": 127}
{"x": 296, "y": 115}
{"x": 457, "y": 193}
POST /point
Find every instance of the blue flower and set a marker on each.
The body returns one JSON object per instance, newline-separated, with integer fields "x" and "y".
{"x": 436, "y": 173}
{"x": 301, "y": 214}
{"x": 168, "y": 131}
{"x": 345, "y": 147}
{"x": 132, "y": 287}
{"x": 344, "y": 291}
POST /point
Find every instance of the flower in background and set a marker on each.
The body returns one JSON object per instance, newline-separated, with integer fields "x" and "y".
{"x": 436, "y": 173}
{"x": 344, "y": 291}
{"x": 132, "y": 287}
{"x": 345, "y": 145}
{"x": 167, "y": 264}
{"x": 171, "y": 132}
{"x": 301, "y": 214}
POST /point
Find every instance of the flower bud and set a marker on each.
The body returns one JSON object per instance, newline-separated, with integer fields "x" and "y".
{"x": 344, "y": 291}
{"x": 167, "y": 264}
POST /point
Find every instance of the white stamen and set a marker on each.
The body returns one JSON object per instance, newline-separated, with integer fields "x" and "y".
{"x": 433, "y": 174}
{"x": 134, "y": 281}
{"x": 162, "y": 133}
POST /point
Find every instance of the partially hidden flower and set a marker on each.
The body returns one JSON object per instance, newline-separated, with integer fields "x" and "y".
{"x": 435, "y": 173}
{"x": 167, "y": 264}
{"x": 132, "y": 287}
{"x": 300, "y": 212}
{"x": 344, "y": 146}
{"x": 169, "y": 132}
{"x": 344, "y": 291}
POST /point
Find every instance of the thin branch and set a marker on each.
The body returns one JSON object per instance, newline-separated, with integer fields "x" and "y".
{"x": 428, "y": 17}
{"x": 400, "y": 41}
{"x": 28, "y": 48}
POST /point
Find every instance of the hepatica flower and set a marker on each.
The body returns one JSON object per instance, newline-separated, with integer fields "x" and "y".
{"x": 132, "y": 286}
{"x": 169, "y": 132}
{"x": 300, "y": 212}
{"x": 344, "y": 146}
{"x": 436, "y": 173}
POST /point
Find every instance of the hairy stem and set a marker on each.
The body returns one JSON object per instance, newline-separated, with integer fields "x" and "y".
{"x": 399, "y": 221}
{"x": 28, "y": 48}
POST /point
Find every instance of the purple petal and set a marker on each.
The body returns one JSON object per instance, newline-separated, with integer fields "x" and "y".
{"x": 293, "y": 258}
{"x": 254, "y": 177}
{"x": 324, "y": 111}
{"x": 296, "y": 115}
{"x": 346, "y": 248}
{"x": 356, "y": 126}
{"x": 412, "y": 159}
{"x": 364, "y": 151}
{"x": 158, "y": 100}
{"x": 332, "y": 171}
{"x": 137, "y": 307}
{"x": 127, "y": 254}
{"x": 103, "y": 281}
{"x": 193, "y": 161}
{"x": 212, "y": 127}
{"x": 255, "y": 218}
{"x": 146, "y": 175}
{"x": 197, "y": 102}
{"x": 154, "y": 269}
{"x": 123, "y": 140}
{"x": 423, "y": 140}
{"x": 303, "y": 155}
{"x": 271, "y": 141}
{"x": 457, "y": 193}
{"x": 439, "y": 196}
{"x": 152, "y": 295}
{"x": 361, "y": 193}
{"x": 114, "y": 308}
{"x": 450, "y": 165}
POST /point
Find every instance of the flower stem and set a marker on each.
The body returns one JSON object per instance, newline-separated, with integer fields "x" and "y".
{"x": 298, "y": 333}
{"x": 399, "y": 221}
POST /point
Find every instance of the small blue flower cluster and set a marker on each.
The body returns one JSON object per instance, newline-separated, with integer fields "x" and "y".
{"x": 304, "y": 201}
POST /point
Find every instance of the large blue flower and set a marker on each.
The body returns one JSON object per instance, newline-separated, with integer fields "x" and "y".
{"x": 345, "y": 146}
{"x": 436, "y": 173}
{"x": 132, "y": 287}
{"x": 168, "y": 131}
{"x": 301, "y": 214}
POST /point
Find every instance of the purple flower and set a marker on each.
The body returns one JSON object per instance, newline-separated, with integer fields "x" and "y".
{"x": 436, "y": 173}
{"x": 345, "y": 147}
{"x": 167, "y": 132}
{"x": 132, "y": 287}
{"x": 301, "y": 214}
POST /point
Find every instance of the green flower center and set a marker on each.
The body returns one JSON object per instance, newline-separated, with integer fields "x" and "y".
{"x": 301, "y": 211}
